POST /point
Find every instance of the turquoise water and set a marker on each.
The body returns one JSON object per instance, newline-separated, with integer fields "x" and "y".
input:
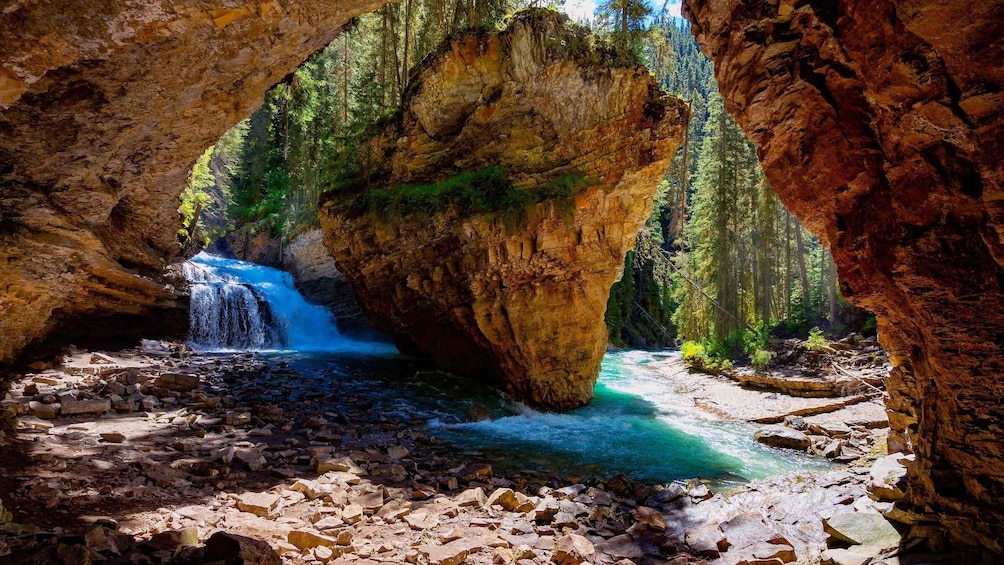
{"x": 638, "y": 423}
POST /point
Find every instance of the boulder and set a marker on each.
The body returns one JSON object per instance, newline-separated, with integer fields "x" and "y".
{"x": 869, "y": 529}
{"x": 504, "y": 498}
{"x": 70, "y": 407}
{"x": 573, "y": 549}
{"x": 707, "y": 541}
{"x": 258, "y": 503}
{"x": 232, "y": 549}
{"x": 306, "y": 539}
{"x": 178, "y": 382}
{"x": 887, "y": 477}
{"x": 780, "y": 436}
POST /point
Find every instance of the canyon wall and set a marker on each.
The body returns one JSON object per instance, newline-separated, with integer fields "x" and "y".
{"x": 518, "y": 302}
{"x": 104, "y": 107}
{"x": 317, "y": 277}
{"x": 878, "y": 122}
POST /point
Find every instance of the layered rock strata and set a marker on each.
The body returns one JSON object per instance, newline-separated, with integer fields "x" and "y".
{"x": 317, "y": 277}
{"x": 521, "y": 305}
{"x": 104, "y": 107}
{"x": 879, "y": 123}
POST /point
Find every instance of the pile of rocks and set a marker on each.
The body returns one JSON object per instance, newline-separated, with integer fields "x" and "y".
{"x": 827, "y": 437}
{"x": 229, "y": 450}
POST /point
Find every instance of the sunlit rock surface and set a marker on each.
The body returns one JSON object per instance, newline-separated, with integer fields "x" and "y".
{"x": 521, "y": 305}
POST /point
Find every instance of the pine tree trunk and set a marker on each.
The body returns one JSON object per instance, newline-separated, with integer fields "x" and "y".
{"x": 345, "y": 82}
{"x": 407, "y": 43}
{"x": 383, "y": 58}
{"x": 624, "y": 25}
{"x": 833, "y": 289}
{"x": 802, "y": 271}
{"x": 787, "y": 264}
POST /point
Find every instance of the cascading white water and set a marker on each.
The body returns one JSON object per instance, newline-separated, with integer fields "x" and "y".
{"x": 244, "y": 306}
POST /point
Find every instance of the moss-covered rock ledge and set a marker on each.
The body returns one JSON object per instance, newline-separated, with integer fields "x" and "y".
{"x": 509, "y": 286}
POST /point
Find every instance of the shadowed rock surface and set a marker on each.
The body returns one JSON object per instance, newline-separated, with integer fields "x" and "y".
{"x": 879, "y": 124}
{"x": 524, "y": 304}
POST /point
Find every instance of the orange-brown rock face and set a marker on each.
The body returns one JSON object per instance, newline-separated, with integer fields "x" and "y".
{"x": 519, "y": 305}
{"x": 104, "y": 106}
{"x": 879, "y": 123}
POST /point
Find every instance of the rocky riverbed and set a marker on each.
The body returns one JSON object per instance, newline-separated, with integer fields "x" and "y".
{"x": 158, "y": 455}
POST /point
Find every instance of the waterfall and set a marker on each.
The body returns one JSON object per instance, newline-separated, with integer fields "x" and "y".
{"x": 237, "y": 305}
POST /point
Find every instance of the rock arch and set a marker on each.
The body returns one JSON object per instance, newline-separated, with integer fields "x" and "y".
{"x": 878, "y": 122}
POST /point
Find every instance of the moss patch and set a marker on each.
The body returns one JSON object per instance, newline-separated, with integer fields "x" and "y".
{"x": 484, "y": 191}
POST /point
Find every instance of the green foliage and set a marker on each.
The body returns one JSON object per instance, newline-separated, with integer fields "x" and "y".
{"x": 625, "y": 21}
{"x": 486, "y": 190}
{"x": 194, "y": 199}
{"x": 620, "y": 304}
{"x": 817, "y": 343}
{"x": 699, "y": 356}
{"x": 869, "y": 327}
{"x": 760, "y": 359}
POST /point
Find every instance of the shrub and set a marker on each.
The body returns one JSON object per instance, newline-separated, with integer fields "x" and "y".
{"x": 691, "y": 351}
{"x": 760, "y": 359}
{"x": 696, "y": 355}
{"x": 816, "y": 342}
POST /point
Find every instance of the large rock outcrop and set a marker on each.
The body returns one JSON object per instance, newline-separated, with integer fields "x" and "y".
{"x": 879, "y": 123}
{"x": 104, "y": 107}
{"x": 521, "y": 305}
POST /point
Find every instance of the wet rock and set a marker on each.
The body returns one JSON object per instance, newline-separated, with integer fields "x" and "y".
{"x": 258, "y": 503}
{"x": 573, "y": 549}
{"x": 232, "y": 549}
{"x": 863, "y": 528}
{"x": 780, "y": 436}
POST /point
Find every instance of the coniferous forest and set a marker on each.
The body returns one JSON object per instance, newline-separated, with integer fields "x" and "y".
{"x": 721, "y": 264}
